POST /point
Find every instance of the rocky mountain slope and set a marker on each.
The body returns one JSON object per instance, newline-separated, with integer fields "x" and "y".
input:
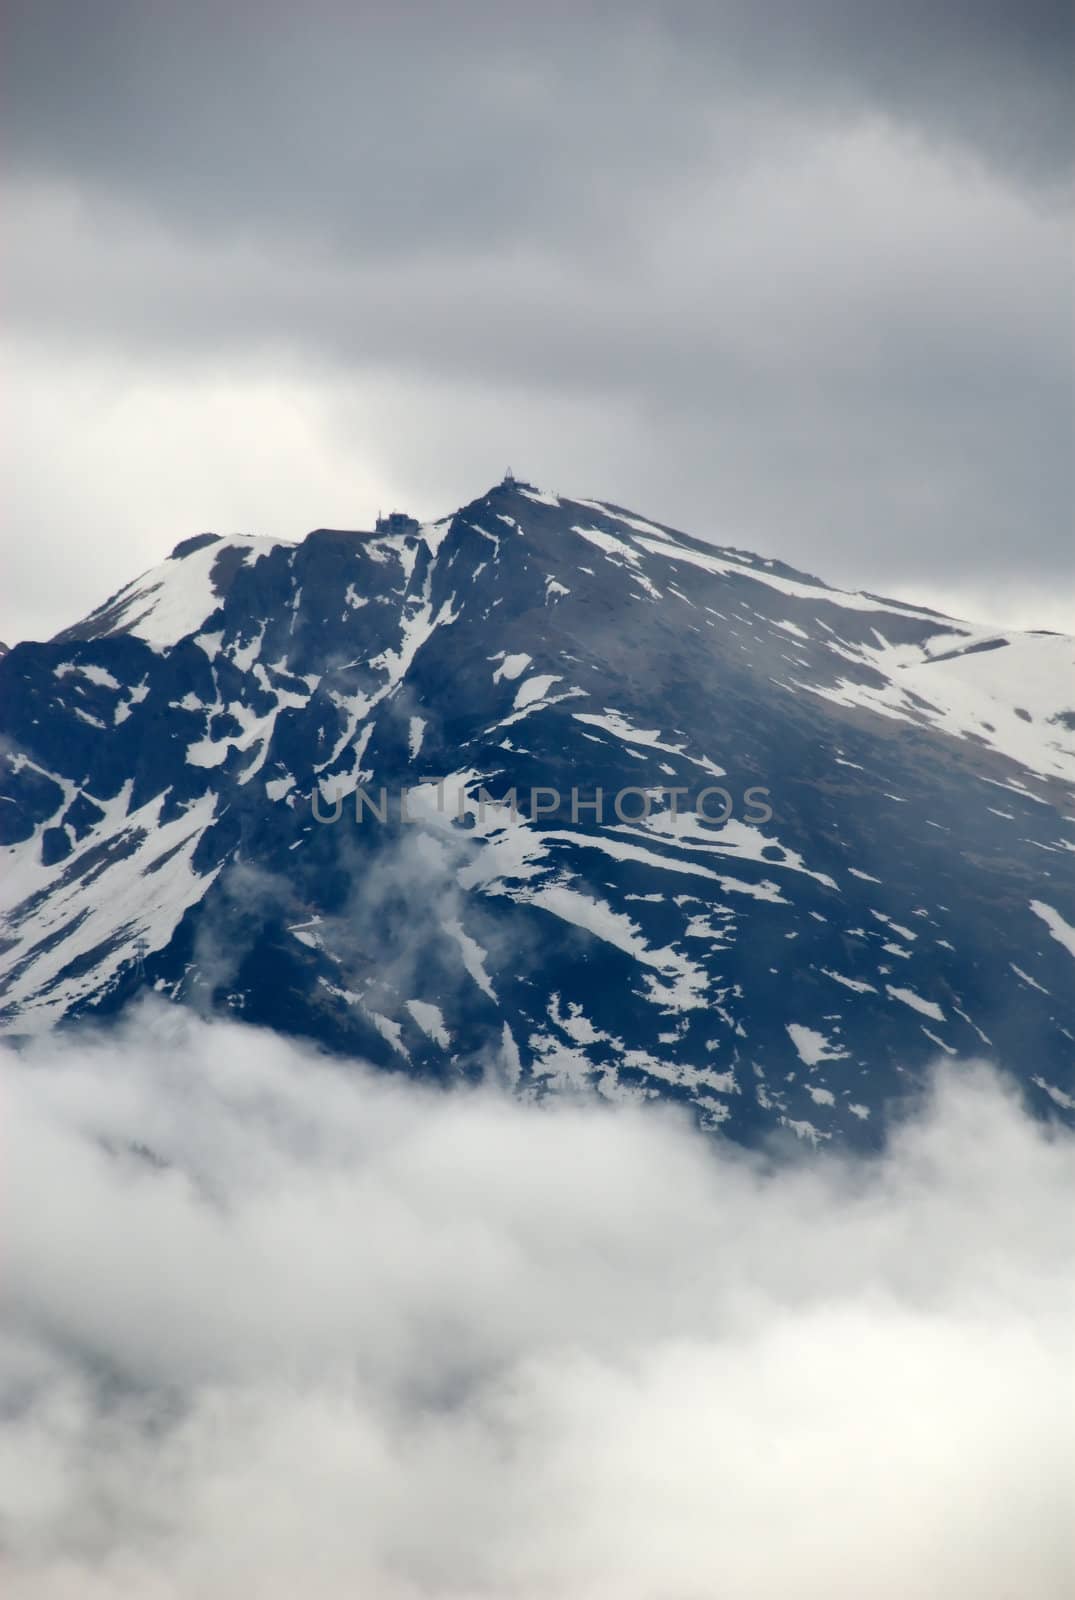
{"x": 836, "y": 838}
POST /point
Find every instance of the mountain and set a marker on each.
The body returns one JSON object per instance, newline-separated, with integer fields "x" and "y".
{"x": 869, "y": 862}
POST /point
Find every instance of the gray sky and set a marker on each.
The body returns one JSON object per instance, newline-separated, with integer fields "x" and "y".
{"x": 790, "y": 276}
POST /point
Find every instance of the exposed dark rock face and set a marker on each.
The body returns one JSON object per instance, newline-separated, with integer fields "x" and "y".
{"x": 911, "y": 893}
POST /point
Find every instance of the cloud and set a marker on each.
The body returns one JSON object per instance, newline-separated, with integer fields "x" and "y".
{"x": 350, "y": 117}
{"x": 279, "y": 1326}
{"x": 794, "y": 278}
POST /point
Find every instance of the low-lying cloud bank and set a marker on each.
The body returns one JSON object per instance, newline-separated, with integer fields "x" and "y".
{"x": 278, "y": 1328}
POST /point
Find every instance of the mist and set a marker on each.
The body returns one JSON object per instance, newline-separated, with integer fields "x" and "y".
{"x": 275, "y": 1325}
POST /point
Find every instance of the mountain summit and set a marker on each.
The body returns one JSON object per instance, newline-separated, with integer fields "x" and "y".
{"x": 550, "y": 791}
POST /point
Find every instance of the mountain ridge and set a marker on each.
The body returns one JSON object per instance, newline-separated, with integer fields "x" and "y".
{"x": 160, "y": 756}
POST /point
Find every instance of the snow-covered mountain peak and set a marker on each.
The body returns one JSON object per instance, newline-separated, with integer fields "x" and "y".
{"x": 847, "y": 845}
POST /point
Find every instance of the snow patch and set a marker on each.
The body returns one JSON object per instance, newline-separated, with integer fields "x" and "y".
{"x": 812, "y": 1046}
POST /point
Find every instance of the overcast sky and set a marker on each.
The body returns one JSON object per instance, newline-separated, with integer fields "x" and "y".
{"x": 790, "y": 276}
